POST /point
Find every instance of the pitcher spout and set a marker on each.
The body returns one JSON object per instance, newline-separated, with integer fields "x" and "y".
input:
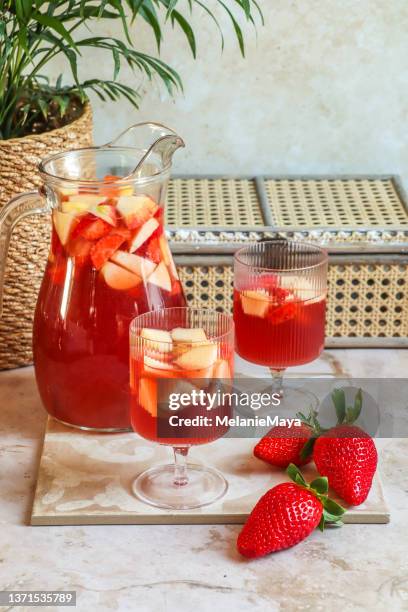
{"x": 159, "y": 142}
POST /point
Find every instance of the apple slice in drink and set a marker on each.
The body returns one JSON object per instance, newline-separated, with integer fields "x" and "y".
{"x": 160, "y": 277}
{"x": 106, "y": 212}
{"x": 64, "y": 223}
{"x": 148, "y": 395}
{"x": 222, "y": 369}
{"x": 118, "y": 278}
{"x": 155, "y": 364}
{"x": 198, "y": 357}
{"x": 167, "y": 257}
{"x": 255, "y": 303}
{"x": 157, "y": 340}
{"x": 136, "y": 209}
{"x": 188, "y": 334}
{"x": 82, "y": 203}
{"x": 144, "y": 234}
{"x": 134, "y": 263}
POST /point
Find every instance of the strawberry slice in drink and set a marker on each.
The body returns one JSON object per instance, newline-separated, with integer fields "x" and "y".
{"x": 282, "y": 313}
{"x": 105, "y": 247}
{"x": 136, "y": 210}
{"x": 94, "y": 230}
{"x": 153, "y": 251}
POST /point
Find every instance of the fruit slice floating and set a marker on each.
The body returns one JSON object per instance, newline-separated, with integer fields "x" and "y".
{"x": 222, "y": 369}
{"x": 94, "y": 230}
{"x": 301, "y": 288}
{"x": 107, "y": 212}
{"x": 198, "y": 358}
{"x": 82, "y": 203}
{"x": 167, "y": 257}
{"x": 136, "y": 209}
{"x": 160, "y": 277}
{"x": 119, "y": 278}
{"x": 159, "y": 340}
{"x": 144, "y": 234}
{"x": 188, "y": 335}
{"x": 153, "y": 251}
{"x": 148, "y": 395}
{"x": 282, "y": 313}
{"x": 64, "y": 223}
{"x": 156, "y": 364}
{"x": 255, "y": 303}
{"x": 105, "y": 248}
{"x": 138, "y": 265}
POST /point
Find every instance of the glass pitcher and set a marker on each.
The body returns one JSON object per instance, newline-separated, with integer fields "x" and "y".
{"x": 109, "y": 261}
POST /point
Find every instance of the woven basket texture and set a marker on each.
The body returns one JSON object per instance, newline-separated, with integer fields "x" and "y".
{"x": 19, "y": 158}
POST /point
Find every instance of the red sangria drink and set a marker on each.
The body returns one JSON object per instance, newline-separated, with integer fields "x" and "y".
{"x": 181, "y": 357}
{"x": 279, "y": 304}
{"x": 279, "y": 326}
{"x": 109, "y": 261}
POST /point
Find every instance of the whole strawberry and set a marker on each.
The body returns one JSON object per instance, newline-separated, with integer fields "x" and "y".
{"x": 286, "y": 515}
{"x": 283, "y": 445}
{"x": 346, "y": 454}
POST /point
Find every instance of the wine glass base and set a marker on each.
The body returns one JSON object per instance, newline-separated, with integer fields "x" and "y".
{"x": 155, "y": 486}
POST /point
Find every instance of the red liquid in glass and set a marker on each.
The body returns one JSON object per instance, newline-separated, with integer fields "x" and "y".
{"x": 279, "y": 335}
{"x": 145, "y": 411}
{"x": 81, "y": 327}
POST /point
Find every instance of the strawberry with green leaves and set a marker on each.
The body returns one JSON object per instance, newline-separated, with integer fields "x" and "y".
{"x": 346, "y": 454}
{"x": 287, "y": 514}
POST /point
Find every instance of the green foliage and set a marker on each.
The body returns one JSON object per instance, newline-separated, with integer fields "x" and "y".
{"x": 34, "y": 32}
{"x": 347, "y": 414}
{"x": 332, "y": 512}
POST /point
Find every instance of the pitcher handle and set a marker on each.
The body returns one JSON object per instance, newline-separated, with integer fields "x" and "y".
{"x": 13, "y": 212}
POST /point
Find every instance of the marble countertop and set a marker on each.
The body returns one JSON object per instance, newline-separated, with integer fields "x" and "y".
{"x": 183, "y": 568}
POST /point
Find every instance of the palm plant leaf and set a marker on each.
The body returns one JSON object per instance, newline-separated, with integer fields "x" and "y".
{"x": 34, "y": 32}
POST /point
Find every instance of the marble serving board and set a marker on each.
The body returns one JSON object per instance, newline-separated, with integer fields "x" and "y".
{"x": 85, "y": 479}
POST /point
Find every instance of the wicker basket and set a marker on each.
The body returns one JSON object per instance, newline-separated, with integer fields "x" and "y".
{"x": 29, "y": 246}
{"x": 363, "y": 221}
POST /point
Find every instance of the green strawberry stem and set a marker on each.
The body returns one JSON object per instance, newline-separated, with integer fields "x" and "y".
{"x": 319, "y": 487}
{"x": 345, "y": 414}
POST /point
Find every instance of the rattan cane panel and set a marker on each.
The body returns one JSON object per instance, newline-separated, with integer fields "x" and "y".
{"x": 208, "y": 286}
{"x": 334, "y": 202}
{"x": 212, "y": 202}
{"x": 369, "y": 300}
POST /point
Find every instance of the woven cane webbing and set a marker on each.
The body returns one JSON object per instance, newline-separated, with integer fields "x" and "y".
{"x": 337, "y": 202}
{"x": 369, "y": 300}
{"x": 208, "y": 286}
{"x": 220, "y": 201}
{"x": 30, "y": 241}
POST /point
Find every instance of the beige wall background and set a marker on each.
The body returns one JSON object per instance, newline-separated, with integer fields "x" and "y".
{"x": 323, "y": 89}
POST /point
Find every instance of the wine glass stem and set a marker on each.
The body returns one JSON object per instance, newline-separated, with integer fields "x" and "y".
{"x": 180, "y": 466}
{"x": 277, "y": 381}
